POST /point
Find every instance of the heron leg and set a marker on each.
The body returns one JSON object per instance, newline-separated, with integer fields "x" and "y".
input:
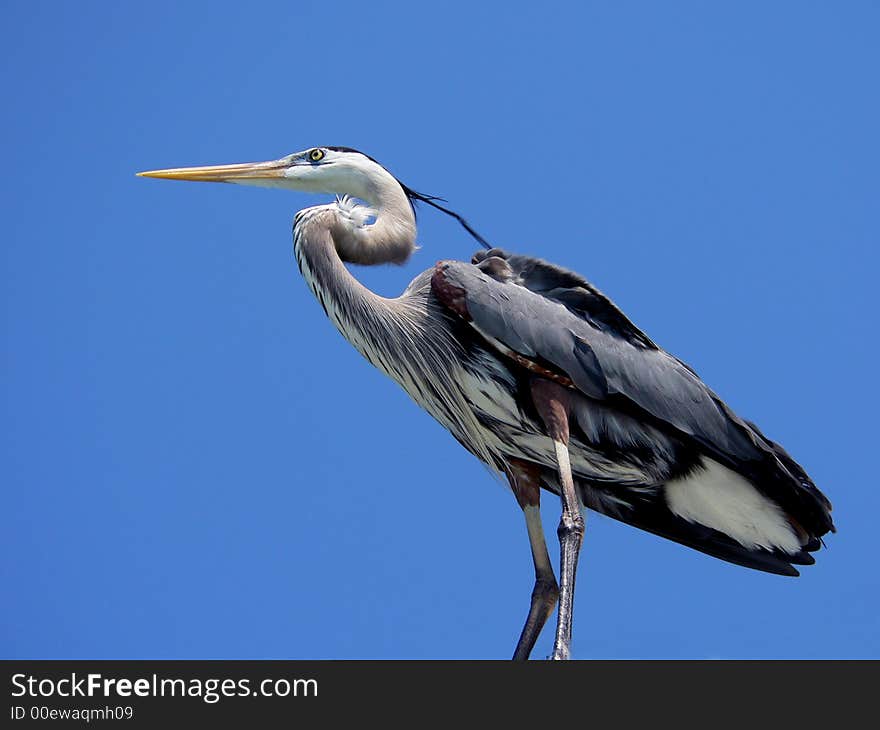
{"x": 552, "y": 403}
{"x": 524, "y": 482}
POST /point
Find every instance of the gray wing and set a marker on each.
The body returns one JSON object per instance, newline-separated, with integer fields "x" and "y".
{"x": 558, "y": 320}
{"x": 553, "y": 321}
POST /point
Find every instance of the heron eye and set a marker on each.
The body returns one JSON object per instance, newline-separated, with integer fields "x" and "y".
{"x": 316, "y": 155}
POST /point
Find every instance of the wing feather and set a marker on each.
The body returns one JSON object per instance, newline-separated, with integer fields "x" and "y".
{"x": 560, "y": 321}
{"x": 602, "y": 362}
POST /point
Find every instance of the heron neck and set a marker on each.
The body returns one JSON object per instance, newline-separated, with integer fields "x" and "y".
{"x": 348, "y": 303}
{"x": 390, "y": 238}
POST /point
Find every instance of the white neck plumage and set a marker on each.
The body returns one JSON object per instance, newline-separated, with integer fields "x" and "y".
{"x": 382, "y": 231}
{"x": 325, "y": 236}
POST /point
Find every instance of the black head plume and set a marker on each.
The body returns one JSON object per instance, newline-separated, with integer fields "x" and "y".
{"x": 432, "y": 201}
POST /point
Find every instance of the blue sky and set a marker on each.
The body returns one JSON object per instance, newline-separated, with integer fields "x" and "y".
{"x": 195, "y": 464}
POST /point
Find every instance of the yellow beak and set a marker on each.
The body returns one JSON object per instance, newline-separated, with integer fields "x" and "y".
{"x": 223, "y": 173}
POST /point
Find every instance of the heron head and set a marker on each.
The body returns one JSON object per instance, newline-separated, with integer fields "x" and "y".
{"x": 335, "y": 170}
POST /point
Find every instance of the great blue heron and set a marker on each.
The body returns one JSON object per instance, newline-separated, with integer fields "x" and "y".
{"x": 541, "y": 377}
